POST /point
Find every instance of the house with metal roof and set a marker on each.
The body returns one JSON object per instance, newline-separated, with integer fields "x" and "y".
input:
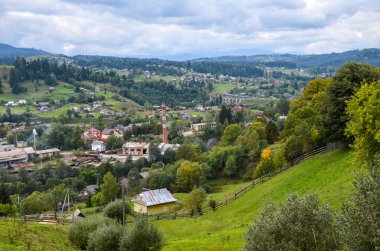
{"x": 154, "y": 202}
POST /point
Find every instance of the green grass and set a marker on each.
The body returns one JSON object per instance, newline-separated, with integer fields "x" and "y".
{"x": 223, "y": 87}
{"x": 330, "y": 175}
{"x": 16, "y": 235}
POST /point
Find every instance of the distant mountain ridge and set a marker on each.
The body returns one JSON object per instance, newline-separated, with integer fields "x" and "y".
{"x": 7, "y": 50}
{"x": 369, "y": 56}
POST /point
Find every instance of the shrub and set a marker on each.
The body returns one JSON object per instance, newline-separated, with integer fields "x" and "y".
{"x": 141, "y": 236}
{"x": 105, "y": 238}
{"x": 195, "y": 200}
{"x": 302, "y": 223}
{"x": 79, "y": 231}
{"x": 114, "y": 210}
{"x": 360, "y": 221}
{"x": 212, "y": 204}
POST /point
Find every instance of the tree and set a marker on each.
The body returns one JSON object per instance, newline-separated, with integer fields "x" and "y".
{"x": 266, "y": 164}
{"x": 231, "y": 169}
{"x": 194, "y": 201}
{"x": 133, "y": 179}
{"x": 106, "y": 237}
{"x": 36, "y": 203}
{"x": 54, "y": 196}
{"x": 114, "y": 210}
{"x": 225, "y": 115}
{"x": 212, "y": 203}
{"x": 282, "y": 106}
{"x": 79, "y": 231}
{"x": 109, "y": 188}
{"x": 113, "y": 143}
{"x": 4, "y": 194}
{"x": 231, "y": 133}
{"x": 364, "y": 124}
{"x": 189, "y": 174}
{"x": 302, "y": 223}
{"x": 345, "y": 82}
{"x": 169, "y": 156}
{"x": 271, "y": 132}
{"x": 1, "y": 87}
{"x": 188, "y": 151}
{"x": 154, "y": 153}
{"x": 360, "y": 220}
{"x": 142, "y": 236}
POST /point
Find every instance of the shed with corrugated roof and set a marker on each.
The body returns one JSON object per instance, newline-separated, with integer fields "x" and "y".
{"x": 154, "y": 202}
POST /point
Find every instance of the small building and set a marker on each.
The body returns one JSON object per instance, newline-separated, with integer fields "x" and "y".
{"x": 91, "y": 133}
{"x": 48, "y": 153}
{"x": 201, "y": 126}
{"x": 136, "y": 148}
{"x": 91, "y": 189}
{"x": 15, "y": 156}
{"x": 98, "y": 145}
{"x": 78, "y": 216}
{"x": 154, "y": 202}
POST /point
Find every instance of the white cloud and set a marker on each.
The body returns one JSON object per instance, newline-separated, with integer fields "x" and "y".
{"x": 202, "y": 28}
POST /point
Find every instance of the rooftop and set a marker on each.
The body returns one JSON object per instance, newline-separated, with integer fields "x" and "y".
{"x": 154, "y": 197}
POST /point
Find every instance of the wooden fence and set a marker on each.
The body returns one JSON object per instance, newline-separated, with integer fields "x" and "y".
{"x": 242, "y": 191}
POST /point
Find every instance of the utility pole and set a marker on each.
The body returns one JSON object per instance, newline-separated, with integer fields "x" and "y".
{"x": 123, "y": 197}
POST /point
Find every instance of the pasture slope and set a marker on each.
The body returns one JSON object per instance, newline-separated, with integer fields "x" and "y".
{"x": 329, "y": 175}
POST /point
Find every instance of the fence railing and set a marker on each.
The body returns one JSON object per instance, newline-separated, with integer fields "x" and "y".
{"x": 238, "y": 193}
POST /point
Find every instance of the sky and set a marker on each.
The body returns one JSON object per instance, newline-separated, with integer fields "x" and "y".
{"x": 180, "y": 29}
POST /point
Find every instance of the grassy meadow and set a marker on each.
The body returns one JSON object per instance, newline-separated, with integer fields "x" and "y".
{"x": 17, "y": 235}
{"x": 330, "y": 175}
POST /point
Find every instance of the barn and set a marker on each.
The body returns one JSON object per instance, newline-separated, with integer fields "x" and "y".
{"x": 154, "y": 202}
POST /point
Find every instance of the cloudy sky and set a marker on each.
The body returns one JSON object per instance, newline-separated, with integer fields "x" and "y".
{"x": 190, "y": 28}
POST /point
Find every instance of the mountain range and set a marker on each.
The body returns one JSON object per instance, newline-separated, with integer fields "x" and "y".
{"x": 371, "y": 56}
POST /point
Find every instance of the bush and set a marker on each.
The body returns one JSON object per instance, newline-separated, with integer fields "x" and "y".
{"x": 302, "y": 223}
{"x": 141, "y": 236}
{"x": 79, "y": 231}
{"x": 360, "y": 221}
{"x": 212, "y": 204}
{"x": 105, "y": 238}
{"x": 195, "y": 200}
{"x": 114, "y": 210}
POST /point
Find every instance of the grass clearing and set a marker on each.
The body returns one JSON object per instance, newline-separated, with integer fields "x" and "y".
{"x": 330, "y": 175}
{"x": 17, "y": 235}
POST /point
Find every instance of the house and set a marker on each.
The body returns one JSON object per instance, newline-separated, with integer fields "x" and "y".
{"x": 136, "y": 149}
{"x": 98, "y": 145}
{"x": 48, "y": 153}
{"x": 91, "y": 189}
{"x": 154, "y": 202}
{"x": 107, "y": 113}
{"x": 184, "y": 116}
{"x": 15, "y": 156}
{"x": 201, "y": 126}
{"x": 106, "y": 133}
{"x": 22, "y": 102}
{"x": 238, "y": 108}
{"x": 91, "y": 133}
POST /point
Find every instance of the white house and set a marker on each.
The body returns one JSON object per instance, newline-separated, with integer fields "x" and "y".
{"x": 98, "y": 145}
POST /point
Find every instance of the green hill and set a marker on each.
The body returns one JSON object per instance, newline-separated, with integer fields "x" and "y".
{"x": 33, "y": 236}
{"x": 330, "y": 175}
